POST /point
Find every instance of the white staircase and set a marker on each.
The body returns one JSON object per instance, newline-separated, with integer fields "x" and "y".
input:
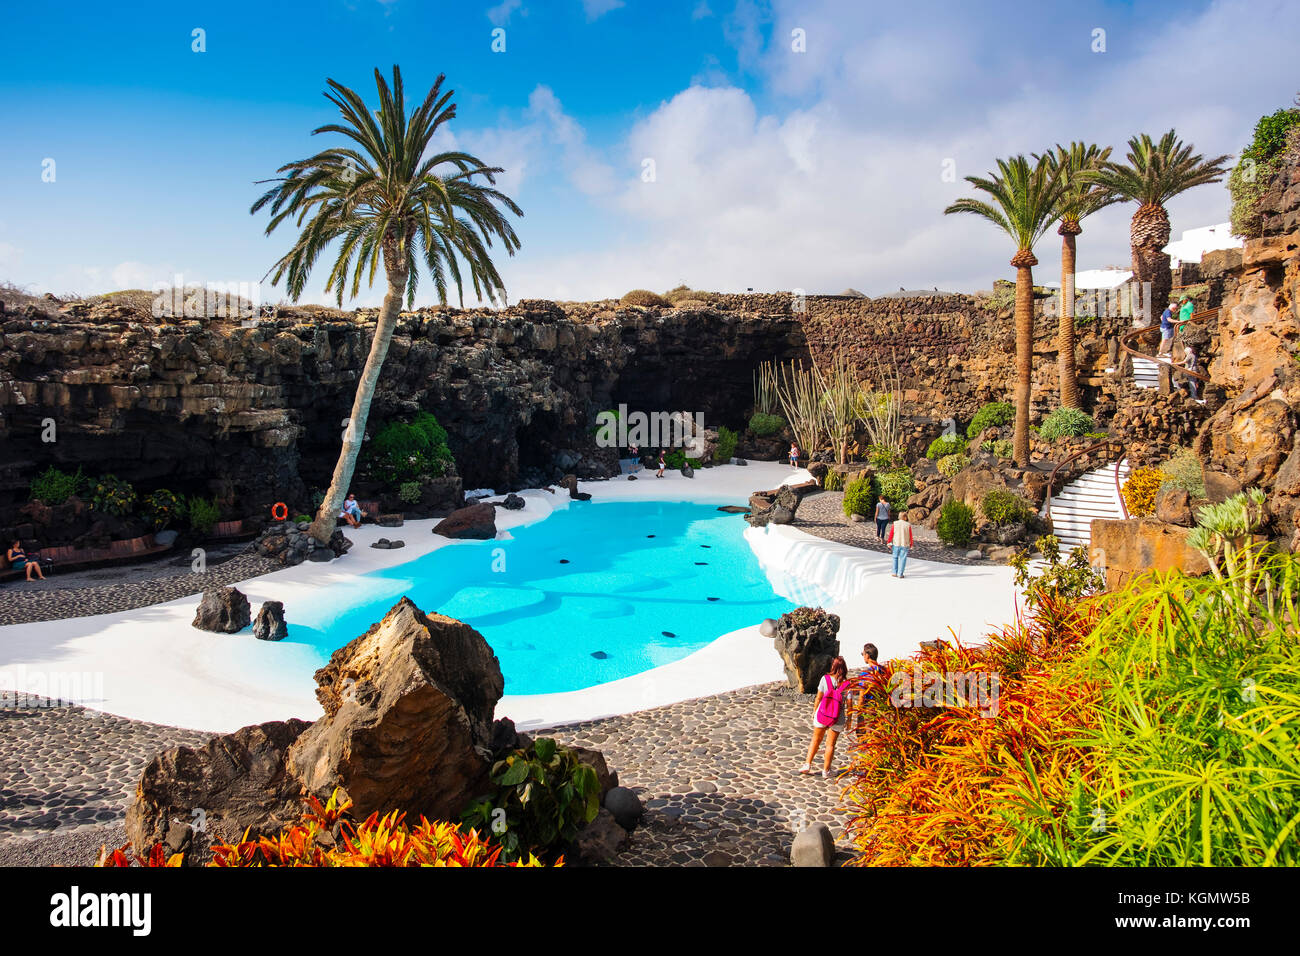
{"x": 1146, "y": 373}
{"x": 1091, "y": 495}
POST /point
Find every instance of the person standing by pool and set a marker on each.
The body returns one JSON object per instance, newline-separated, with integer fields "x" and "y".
{"x": 19, "y": 561}
{"x": 828, "y": 715}
{"x": 882, "y": 517}
{"x": 900, "y": 536}
{"x": 662, "y": 464}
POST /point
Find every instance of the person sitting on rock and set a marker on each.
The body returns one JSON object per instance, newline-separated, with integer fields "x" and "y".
{"x": 351, "y": 512}
{"x": 19, "y": 561}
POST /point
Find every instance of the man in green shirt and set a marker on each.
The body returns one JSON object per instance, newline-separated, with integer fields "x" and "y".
{"x": 1185, "y": 309}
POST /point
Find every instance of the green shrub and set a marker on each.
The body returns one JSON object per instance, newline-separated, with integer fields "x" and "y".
{"x": 301, "y": 519}
{"x": 1065, "y": 423}
{"x": 410, "y": 491}
{"x": 402, "y": 452}
{"x": 547, "y": 795}
{"x": 1005, "y": 507}
{"x": 726, "y": 447}
{"x": 54, "y": 487}
{"x": 204, "y": 514}
{"x": 681, "y": 293}
{"x": 945, "y": 445}
{"x": 1002, "y": 447}
{"x": 994, "y": 413}
{"x": 676, "y": 459}
{"x": 897, "y": 486}
{"x": 643, "y": 297}
{"x": 949, "y": 465}
{"x": 956, "y": 523}
{"x": 1259, "y": 163}
{"x": 832, "y": 480}
{"x": 860, "y": 496}
{"x": 111, "y": 495}
{"x": 884, "y": 458}
{"x": 1184, "y": 471}
{"x": 162, "y": 508}
{"x": 763, "y": 424}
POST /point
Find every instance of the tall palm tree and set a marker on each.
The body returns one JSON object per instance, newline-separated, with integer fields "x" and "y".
{"x": 387, "y": 201}
{"x": 1154, "y": 173}
{"x": 1024, "y": 202}
{"x": 1078, "y": 199}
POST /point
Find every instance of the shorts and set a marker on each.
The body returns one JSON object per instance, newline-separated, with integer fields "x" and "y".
{"x": 839, "y": 725}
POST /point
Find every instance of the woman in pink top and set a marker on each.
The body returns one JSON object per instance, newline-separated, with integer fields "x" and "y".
{"x": 829, "y": 714}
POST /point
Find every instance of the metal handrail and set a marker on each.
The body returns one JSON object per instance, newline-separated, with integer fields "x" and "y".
{"x": 1135, "y": 333}
{"x": 1047, "y": 513}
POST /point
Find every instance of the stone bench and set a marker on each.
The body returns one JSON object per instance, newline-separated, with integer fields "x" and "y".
{"x": 66, "y": 557}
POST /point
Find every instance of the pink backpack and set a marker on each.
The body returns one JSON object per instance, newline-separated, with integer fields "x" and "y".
{"x": 828, "y": 711}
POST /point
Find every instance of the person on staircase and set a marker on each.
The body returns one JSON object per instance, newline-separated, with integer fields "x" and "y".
{"x": 1189, "y": 363}
{"x": 1167, "y": 328}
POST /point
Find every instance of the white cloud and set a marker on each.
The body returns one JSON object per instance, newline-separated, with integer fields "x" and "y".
{"x": 500, "y": 14}
{"x": 595, "y": 9}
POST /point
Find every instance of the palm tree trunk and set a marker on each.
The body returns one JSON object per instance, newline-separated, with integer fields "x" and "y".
{"x": 1024, "y": 359}
{"x": 1067, "y": 372}
{"x": 322, "y": 529}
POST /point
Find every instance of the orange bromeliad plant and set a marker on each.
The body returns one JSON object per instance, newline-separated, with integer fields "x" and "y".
{"x": 934, "y": 773}
{"x": 326, "y": 837}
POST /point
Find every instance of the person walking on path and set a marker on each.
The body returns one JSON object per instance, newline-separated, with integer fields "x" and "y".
{"x": 794, "y": 455}
{"x": 660, "y": 472}
{"x": 19, "y": 561}
{"x": 900, "y": 536}
{"x": 829, "y": 714}
{"x": 871, "y": 667}
{"x": 1189, "y": 363}
{"x": 1167, "y": 328}
{"x": 882, "y": 517}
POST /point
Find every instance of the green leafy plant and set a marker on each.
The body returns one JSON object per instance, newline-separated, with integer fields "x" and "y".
{"x": 410, "y": 491}
{"x": 991, "y": 414}
{"x": 547, "y": 795}
{"x": 945, "y": 445}
{"x": 203, "y": 513}
{"x": 897, "y": 486}
{"x": 1259, "y": 163}
{"x": 299, "y": 519}
{"x": 956, "y": 523}
{"x": 832, "y": 480}
{"x": 111, "y": 495}
{"x": 162, "y": 508}
{"x": 1059, "y": 580}
{"x": 1224, "y": 531}
{"x": 860, "y": 496}
{"x": 402, "y": 452}
{"x": 54, "y": 487}
{"x": 726, "y": 447}
{"x": 1005, "y": 507}
{"x": 764, "y": 424}
{"x": 1002, "y": 447}
{"x": 885, "y": 457}
{"x": 1065, "y": 423}
{"x": 949, "y": 465}
{"x": 1184, "y": 471}
{"x": 676, "y": 459}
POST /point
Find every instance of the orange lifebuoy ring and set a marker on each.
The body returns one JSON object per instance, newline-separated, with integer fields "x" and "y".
{"x": 279, "y": 511}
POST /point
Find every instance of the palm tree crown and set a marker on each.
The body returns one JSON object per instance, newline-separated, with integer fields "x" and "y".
{"x": 1155, "y": 172}
{"x": 383, "y": 195}
{"x": 1080, "y": 196}
{"x": 1024, "y": 198}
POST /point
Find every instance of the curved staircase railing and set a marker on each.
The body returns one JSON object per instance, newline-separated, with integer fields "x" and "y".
{"x": 1133, "y": 334}
{"x": 1051, "y": 481}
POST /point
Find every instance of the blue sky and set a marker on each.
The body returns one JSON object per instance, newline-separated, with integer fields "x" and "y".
{"x": 775, "y": 168}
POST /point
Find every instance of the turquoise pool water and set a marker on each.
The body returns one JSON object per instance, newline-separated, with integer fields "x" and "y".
{"x": 591, "y": 594}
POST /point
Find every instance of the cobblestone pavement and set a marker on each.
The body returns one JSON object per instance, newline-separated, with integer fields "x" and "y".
{"x": 67, "y": 771}
{"x": 822, "y": 514}
{"x": 719, "y": 777}
{"x": 106, "y": 590}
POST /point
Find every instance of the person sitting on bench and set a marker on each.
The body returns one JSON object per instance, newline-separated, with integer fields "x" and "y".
{"x": 351, "y": 512}
{"x": 18, "y": 559}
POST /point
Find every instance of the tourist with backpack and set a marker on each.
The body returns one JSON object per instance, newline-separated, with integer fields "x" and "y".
{"x": 882, "y": 517}
{"x": 830, "y": 712}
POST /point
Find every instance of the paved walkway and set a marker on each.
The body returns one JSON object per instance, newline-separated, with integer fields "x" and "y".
{"x": 822, "y": 514}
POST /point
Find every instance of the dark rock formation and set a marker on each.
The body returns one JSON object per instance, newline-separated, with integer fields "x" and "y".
{"x": 779, "y": 505}
{"x": 189, "y": 799}
{"x": 225, "y": 610}
{"x": 513, "y": 502}
{"x": 626, "y": 807}
{"x": 390, "y": 521}
{"x": 290, "y": 544}
{"x": 383, "y": 544}
{"x": 600, "y": 840}
{"x": 805, "y": 639}
{"x": 476, "y": 521}
{"x": 408, "y": 717}
{"x": 270, "y": 624}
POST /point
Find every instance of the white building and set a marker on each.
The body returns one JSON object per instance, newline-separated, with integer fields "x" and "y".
{"x": 1197, "y": 242}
